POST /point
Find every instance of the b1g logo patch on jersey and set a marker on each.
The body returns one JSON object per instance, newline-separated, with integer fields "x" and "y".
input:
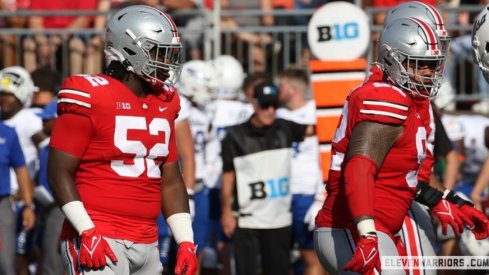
{"x": 123, "y": 105}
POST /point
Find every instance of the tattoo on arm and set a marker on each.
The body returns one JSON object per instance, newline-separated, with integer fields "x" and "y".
{"x": 373, "y": 140}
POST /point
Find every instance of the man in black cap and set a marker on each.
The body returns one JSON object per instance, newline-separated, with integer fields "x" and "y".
{"x": 255, "y": 194}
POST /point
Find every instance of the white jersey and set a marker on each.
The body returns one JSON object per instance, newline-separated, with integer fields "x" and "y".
{"x": 224, "y": 113}
{"x": 199, "y": 122}
{"x": 306, "y": 175}
{"x": 26, "y": 124}
{"x": 475, "y": 149}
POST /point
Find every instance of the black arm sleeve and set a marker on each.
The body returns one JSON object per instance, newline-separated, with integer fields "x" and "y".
{"x": 427, "y": 195}
{"x": 454, "y": 198}
{"x": 443, "y": 145}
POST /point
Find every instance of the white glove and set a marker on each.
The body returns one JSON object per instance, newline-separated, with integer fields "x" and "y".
{"x": 310, "y": 217}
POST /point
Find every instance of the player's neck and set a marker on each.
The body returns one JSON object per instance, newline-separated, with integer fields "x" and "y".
{"x": 136, "y": 85}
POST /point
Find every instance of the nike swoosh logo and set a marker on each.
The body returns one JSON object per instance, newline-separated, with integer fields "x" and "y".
{"x": 161, "y": 109}
{"x": 94, "y": 240}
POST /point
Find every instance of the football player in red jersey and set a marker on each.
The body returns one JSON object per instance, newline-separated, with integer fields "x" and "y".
{"x": 377, "y": 150}
{"x": 113, "y": 160}
{"x": 417, "y": 231}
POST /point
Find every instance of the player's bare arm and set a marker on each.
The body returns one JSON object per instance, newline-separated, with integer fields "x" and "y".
{"x": 38, "y": 137}
{"x": 61, "y": 169}
{"x": 372, "y": 140}
{"x": 174, "y": 198}
{"x": 26, "y": 194}
{"x": 175, "y": 208}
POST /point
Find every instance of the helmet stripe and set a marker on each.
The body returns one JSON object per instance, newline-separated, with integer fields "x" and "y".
{"x": 439, "y": 20}
{"x": 430, "y": 34}
{"x": 173, "y": 26}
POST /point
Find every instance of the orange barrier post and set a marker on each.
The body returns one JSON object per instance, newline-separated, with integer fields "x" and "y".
{"x": 331, "y": 82}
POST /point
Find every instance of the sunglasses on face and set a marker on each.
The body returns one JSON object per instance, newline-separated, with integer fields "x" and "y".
{"x": 267, "y": 105}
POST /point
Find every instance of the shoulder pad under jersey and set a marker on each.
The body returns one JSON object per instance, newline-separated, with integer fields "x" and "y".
{"x": 380, "y": 102}
{"x": 75, "y": 94}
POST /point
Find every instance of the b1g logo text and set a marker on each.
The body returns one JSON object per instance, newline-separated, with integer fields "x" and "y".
{"x": 277, "y": 188}
{"x": 341, "y": 31}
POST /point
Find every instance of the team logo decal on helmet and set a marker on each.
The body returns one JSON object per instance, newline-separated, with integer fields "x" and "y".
{"x": 17, "y": 81}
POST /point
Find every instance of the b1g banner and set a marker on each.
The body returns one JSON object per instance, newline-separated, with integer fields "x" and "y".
{"x": 339, "y": 31}
{"x": 262, "y": 182}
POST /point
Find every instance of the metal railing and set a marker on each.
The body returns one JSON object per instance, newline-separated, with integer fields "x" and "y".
{"x": 278, "y": 46}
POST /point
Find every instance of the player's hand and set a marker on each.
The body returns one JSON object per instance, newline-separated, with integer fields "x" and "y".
{"x": 476, "y": 221}
{"x": 310, "y": 217}
{"x": 366, "y": 258}
{"x": 186, "y": 259}
{"x": 448, "y": 214}
{"x": 93, "y": 250}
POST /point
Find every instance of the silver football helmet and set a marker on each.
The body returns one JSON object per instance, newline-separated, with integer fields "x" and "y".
{"x": 425, "y": 12}
{"x": 196, "y": 82}
{"x": 480, "y": 42}
{"x": 146, "y": 41}
{"x": 410, "y": 53}
{"x": 17, "y": 81}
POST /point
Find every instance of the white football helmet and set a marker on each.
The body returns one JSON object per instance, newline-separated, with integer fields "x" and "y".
{"x": 480, "y": 42}
{"x": 146, "y": 41}
{"x": 18, "y": 81}
{"x": 407, "y": 44}
{"x": 196, "y": 82}
{"x": 230, "y": 75}
{"x": 425, "y": 12}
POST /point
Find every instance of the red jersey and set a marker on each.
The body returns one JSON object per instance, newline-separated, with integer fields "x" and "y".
{"x": 395, "y": 182}
{"x": 119, "y": 173}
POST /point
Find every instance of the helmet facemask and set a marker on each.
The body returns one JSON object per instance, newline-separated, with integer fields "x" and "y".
{"x": 163, "y": 63}
{"x": 404, "y": 71}
{"x": 422, "y": 83}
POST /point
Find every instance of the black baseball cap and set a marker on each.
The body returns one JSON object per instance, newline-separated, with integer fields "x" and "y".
{"x": 266, "y": 93}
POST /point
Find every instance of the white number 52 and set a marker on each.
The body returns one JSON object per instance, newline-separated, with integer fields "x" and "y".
{"x": 143, "y": 159}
